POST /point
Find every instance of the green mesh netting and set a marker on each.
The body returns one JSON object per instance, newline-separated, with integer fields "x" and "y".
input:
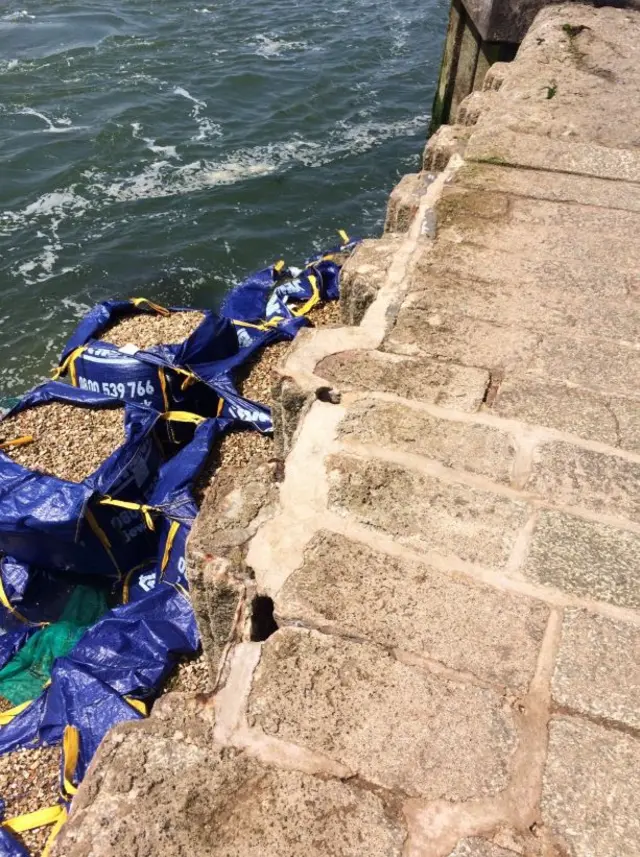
{"x": 24, "y": 677}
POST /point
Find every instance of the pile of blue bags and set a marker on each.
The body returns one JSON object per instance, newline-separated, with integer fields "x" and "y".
{"x": 122, "y": 531}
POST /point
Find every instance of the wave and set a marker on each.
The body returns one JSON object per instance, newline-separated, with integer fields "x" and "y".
{"x": 268, "y": 47}
{"x": 207, "y": 128}
{"x": 15, "y": 17}
{"x": 63, "y": 126}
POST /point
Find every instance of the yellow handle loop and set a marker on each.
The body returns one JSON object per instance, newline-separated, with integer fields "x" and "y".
{"x": 69, "y": 365}
{"x": 4, "y": 600}
{"x": 155, "y": 307}
{"x": 171, "y": 535}
{"x": 55, "y": 830}
{"x": 138, "y": 704}
{"x": 70, "y": 753}
{"x": 189, "y": 377}
{"x": 25, "y": 440}
{"x": 313, "y": 300}
{"x": 7, "y": 716}
{"x": 344, "y": 236}
{"x": 144, "y": 510}
{"x": 31, "y": 820}
{"x": 183, "y": 417}
{"x": 278, "y": 266}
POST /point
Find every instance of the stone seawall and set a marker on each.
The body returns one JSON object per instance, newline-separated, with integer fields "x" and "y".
{"x": 452, "y": 552}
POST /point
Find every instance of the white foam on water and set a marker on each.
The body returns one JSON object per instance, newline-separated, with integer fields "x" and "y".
{"x": 180, "y": 90}
{"x": 268, "y": 47}
{"x": 8, "y": 65}
{"x": 166, "y": 151}
{"x": 14, "y": 17}
{"x": 207, "y": 128}
{"x": 64, "y": 123}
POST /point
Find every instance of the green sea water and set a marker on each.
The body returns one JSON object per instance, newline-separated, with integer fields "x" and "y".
{"x": 165, "y": 149}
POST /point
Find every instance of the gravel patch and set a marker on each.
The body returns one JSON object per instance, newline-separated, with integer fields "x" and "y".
{"x": 146, "y": 330}
{"x": 29, "y": 780}
{"x": 70, "y": 441}
{"x": 254, "y": 379}
{"x": 191, "y": 675}
{"x": 325, "y": 314}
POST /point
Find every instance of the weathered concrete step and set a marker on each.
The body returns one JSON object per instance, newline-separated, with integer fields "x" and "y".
{"x": 598, "y": 668}
{"x": 585, "y": 413}
{"x": 585, "y": 558}
{"x": 459, "y": 388}
{"x": 349, "y": 588}
{"x": 554, "y": 187}
{"x": 480, "y": 449}
{"x": 393, "y": 724}
{"x": 426, "y": 513}
{"x": 560, "y": 472}
{"x": 512, "y": 283}
{"x": 591, "y": 795}
{"x": 364, "y": 275}
{"x": 157, "y": 797}
{"x": 565, "y": 78}
{"x": 604, "y": 366}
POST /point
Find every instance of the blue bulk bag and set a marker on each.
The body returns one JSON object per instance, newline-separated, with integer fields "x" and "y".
{"x": 30, "y": 596}
{"x": 74, "y": 527}
{"x": 158, "y": 376}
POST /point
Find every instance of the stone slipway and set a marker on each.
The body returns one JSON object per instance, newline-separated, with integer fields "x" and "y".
{"x": 453, "y": 550}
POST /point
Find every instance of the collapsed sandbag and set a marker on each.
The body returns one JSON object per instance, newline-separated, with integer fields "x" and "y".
{"x": 281, "y": 296}
{"x": 119, "y": 664}
{"x": 140, "y": 352}
{"x": 50, "y": 521}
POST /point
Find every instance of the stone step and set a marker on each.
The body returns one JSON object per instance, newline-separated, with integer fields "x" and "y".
{"x": 585, "y": 558}
{"x": 460, "y": 388}
{"x": 353, "y": 590}
{"x": 392, "y": 724}
{"x": 613, "y": 420}
{"x": 425, "y": 512}
{"x": 219, "y": 802}
{"x": 598, "y": 668}
{"x": 590, "y": 800}
{"x": 559, "y": 472}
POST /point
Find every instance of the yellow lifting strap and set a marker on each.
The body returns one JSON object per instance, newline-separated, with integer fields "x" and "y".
{"x": 70, "y": 753}
{"x": 39, "y": 818}
{"x": 68, "y": 365}
{"x": 278, "y": 266}
{"x": 4, "y": 600}
{"x": 155, "y": 307}
{"x": 138, "y": 704}
{"x": 144, "y": 510}
{"x": 18, "y": 441}
{"x": 183, "y": 417}
{"x": 171, "y": 535}
{"x": 344, "y": 236}
{"x": 189, "y": 378}
{"x": 313, "y": 300}
{"x": 7, "y": 716}
{"x": 163, "y": 387}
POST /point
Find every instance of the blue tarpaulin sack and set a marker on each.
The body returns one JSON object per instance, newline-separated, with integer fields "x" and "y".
{"x": 121, "y": 662}
{"x": 159, "y": 376}
{"x": 30, "y": 596}
{"x": 80, "y": 527}
{"x": 281, "y": 296}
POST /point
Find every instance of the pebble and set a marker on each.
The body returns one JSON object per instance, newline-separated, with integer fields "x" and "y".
{"x": 191, "y": 675}
{"x": 29, "y": 780}
{"x": 70, "y": 441}
{"x": 146, "y": 330}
